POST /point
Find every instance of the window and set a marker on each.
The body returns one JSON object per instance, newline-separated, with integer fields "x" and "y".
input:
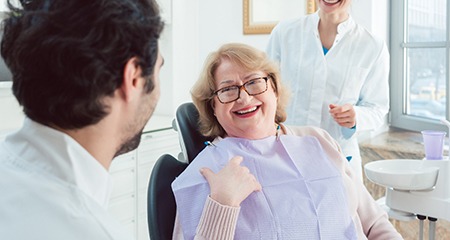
{"x": 420, "y": 56}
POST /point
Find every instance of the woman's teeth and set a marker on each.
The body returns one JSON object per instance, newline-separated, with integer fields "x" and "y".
{"x": 247, "y": 111}
{"x": 331, "y": 1}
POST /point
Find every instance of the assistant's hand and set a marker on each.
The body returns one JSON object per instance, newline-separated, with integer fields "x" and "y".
{"x": 231, "y": 185}
{"x": 344, "y": 115}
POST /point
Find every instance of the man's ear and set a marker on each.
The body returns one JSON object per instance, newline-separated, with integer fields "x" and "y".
{"x": 131, "y": 75}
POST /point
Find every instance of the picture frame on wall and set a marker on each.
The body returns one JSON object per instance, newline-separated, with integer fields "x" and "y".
{"x": 261, "y": 16}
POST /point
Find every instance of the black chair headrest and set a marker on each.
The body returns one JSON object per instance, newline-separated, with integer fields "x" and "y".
{"x": 188, "y": 127}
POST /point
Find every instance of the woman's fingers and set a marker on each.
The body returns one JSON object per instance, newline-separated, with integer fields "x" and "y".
{"x": 232, "y": 184}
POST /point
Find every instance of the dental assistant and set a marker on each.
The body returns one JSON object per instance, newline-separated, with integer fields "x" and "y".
{"x": 337, "y": 72}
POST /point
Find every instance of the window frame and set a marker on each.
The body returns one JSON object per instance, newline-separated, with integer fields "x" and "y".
{"x": 398, "y": 82}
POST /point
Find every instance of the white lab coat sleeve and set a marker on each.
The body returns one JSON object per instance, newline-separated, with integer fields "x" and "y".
{"x": 373, "y": 103}
{"x": 273, "y": 47}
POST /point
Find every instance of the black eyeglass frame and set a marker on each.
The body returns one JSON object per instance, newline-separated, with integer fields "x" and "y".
{"x": 240, "y": 87}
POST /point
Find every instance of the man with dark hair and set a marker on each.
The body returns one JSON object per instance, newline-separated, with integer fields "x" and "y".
{"x": 86, "y": 73}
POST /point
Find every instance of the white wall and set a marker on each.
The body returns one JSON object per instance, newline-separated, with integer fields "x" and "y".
{"x": 222, "y": 22}
{"x": 3, "y": 6}
{"x": 10, "y": 113}
{"x": 197, "y": 27}
{"x": 179, "y": 46}
{"x": 373, "y": 15}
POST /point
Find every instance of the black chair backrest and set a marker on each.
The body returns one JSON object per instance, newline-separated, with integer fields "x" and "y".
{"x": 193, "y": 141}
{"x": 161, "y": 206}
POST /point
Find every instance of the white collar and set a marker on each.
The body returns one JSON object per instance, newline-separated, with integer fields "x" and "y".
{"x": 56, "y": 154}
{"x": 346, "y": 25}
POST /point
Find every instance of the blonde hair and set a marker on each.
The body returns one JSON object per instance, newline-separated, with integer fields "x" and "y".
{"x": 250, "y": 59}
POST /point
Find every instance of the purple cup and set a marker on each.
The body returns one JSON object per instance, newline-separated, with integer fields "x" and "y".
{"x": 434, "y": 144}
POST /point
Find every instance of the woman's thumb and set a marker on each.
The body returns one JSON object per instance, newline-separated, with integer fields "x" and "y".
{"x": 206, "y": 172}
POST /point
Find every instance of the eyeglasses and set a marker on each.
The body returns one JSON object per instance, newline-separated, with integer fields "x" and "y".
{"x": 253, "y": 87}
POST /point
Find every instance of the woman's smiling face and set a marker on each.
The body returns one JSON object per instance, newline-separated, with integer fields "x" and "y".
{"x": 250, "y": 117}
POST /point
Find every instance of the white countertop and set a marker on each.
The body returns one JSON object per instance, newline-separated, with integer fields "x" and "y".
{"x": 158, "y": 122}
{"x": 5, "y": 89}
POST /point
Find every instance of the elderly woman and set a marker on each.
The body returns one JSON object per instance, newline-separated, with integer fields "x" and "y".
{"x": 281, "y": 182}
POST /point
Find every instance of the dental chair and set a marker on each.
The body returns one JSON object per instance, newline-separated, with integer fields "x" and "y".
{"x": 191, "y": 141}
{"x": 161, "y": 207}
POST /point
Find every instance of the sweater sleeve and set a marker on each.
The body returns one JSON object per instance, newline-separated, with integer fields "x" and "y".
{"x": 374, "y": 220}
{"x": 217, "y": 222}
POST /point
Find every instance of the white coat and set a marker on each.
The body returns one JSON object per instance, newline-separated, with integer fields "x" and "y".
{"x": 355, "y": 70}
{"x": 53, "y": 189}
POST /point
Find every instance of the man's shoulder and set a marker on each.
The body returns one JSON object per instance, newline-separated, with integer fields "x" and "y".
{"x": 40, "y": 209}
